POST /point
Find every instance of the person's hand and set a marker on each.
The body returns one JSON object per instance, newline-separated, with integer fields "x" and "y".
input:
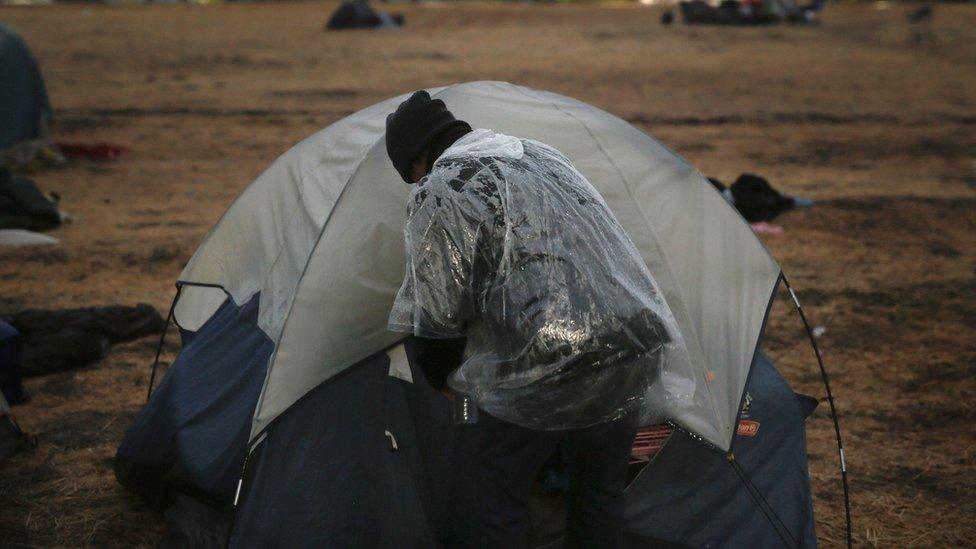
{"x": 447, "y": 392}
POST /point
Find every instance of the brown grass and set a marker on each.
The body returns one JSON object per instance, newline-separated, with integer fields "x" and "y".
{"x": 855, "y": 113}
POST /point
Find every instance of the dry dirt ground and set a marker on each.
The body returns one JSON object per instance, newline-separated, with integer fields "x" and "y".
{"x": 869, "y": 115}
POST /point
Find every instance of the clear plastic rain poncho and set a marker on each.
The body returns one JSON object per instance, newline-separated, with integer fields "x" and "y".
{"x": 509, "y": 245}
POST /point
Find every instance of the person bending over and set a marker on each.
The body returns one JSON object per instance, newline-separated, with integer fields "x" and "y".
{"x": 525, "y": 294}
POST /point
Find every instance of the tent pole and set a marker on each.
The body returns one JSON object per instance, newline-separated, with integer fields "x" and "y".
{"x": 237, "y": 495}
{"x": 833, "y": 409}
{"x": 764, "y": 505}
{"x": 162, "y": 339}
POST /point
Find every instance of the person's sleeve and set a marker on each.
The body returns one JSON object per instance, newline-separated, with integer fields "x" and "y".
{"x": 435, "y": 299}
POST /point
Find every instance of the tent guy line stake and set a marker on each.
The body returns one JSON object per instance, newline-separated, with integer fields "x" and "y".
{"x": 159, "y": 347}
{"x": 833, "y": 410}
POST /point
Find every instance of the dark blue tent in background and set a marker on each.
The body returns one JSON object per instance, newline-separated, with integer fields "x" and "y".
{"x": 371, "y": 459}
{"x": 24, "y": 108}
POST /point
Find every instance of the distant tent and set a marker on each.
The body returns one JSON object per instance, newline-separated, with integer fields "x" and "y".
{"x": 25, "y": 112}
{"x": 923, "y": 13}
{"x": 747, "y": 12}
{"x": 357, "y": 14}
{"x": 292, "y": 403}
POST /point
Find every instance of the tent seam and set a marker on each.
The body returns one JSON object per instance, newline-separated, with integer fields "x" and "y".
{"x": 752, "y": 363}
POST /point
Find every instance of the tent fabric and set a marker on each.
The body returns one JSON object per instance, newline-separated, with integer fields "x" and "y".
{"x": 357, "y": 14}
{"x": 321, "y": 230}
{"x": 372, "y": 458}
{"x": 691, "y": 496}
{"x": 369, "y": 459}
{"x": 194, "y": 429}
{"x": 195, "y": 305}
{"x": 358, "y": 482}
{"x": 191, "y": 522}
{"x": 736, "y": 12}
{"x": 25, "y": 111}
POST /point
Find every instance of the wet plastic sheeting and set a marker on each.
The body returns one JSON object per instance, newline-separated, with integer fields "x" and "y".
{"x": 509, "y": 245}
{"x": 690, "y": 494}
{"x": 194, "y": 429}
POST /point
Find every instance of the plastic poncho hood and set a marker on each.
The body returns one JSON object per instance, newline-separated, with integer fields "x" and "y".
{"x": 509, "y": 245}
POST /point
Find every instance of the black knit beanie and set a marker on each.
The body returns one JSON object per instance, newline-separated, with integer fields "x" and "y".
{"x": 415, "y": 124}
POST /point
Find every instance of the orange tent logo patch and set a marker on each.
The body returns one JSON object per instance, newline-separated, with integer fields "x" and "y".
{"x": 747, "y": 428}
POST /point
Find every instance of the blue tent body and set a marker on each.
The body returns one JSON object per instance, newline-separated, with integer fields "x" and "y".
{"x": 371, "y": 458}
{"x": 24, "y": 108}
{"x": 193, "y": 432}
{"x": 693, "y": 496}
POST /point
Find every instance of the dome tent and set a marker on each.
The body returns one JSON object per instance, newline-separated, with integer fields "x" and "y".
{"x": 321, "y": 230}
{"x": 284, "y": 306}
{"x": 25, "y": 111}
{"x": 358, "y": 14}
